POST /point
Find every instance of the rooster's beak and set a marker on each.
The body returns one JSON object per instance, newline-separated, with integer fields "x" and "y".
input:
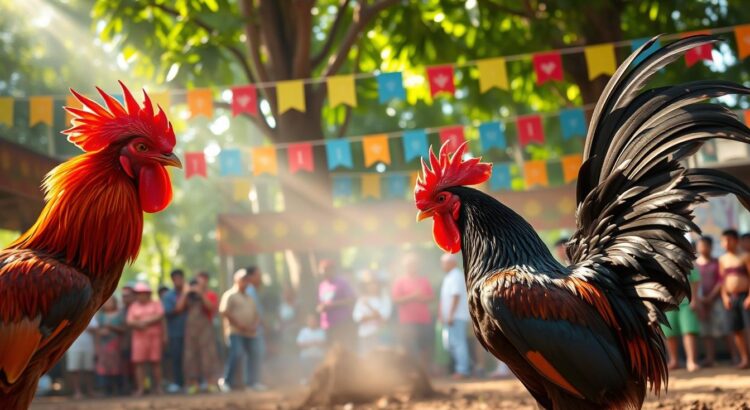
{"x": 170, "y": 160}
{"x": 422, "y": 215}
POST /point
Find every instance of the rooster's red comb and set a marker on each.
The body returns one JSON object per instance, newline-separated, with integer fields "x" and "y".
{"x": 449, "y": 170}
{"x": 96, "y": 127}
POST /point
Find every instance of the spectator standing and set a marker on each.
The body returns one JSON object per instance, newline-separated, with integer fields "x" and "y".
{"x": 80, "y": 361}
{"x": 335, "y": 302}
{"x": 174, "y": 302}
{"x": 200, "y": 356}
{"x": 311, "y": 342}
{"x": 733, "y": 270}
{"x": 371, "y": 312}
{"x": 412, "y": 293}
{"x": 241, "y": 320}
{"x": 745, "y": 242}
{"x": 145, "y": 317}
{"x": 258, "y": 352}
{"x": 684, "y": 322}
{"x": 128, "y": 372}
{"x": 454, "y": 316}
{"x": 108, "y": 359}
{"x": 713, "y": 316}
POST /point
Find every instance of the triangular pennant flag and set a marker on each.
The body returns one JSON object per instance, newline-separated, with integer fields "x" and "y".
{"x": 600, "y": 59}
{"x": 454, "y": 136}
{"x": 742, "y": 34}
{"x": 244, "y": 100}
{"x": 635, "y": 44}
{"x": 530, "y": 130}
{"x": 264, "y": 161}
{"x": 548, "y": 67}
{"x": 300, "y": 157}
{"x": 71, "y": 101}
{"x": 339, "y": 154}
{"x": 492, "y": 73}
{"x": 290, "y": 95}
{"x": 40, "y": 110}
{"x": 535, "y": 173}
{"x": 201, "y": 102}
{"x": 500, "y": 178}
{"x": 241, "y": 190}
{"x": 371, "y": 186}
{"x": 230, "y": 162}
{"x": 441, "y": 79}
{"x": 341, "y": 90}
{"x": 572, "y": 123}
{"x": 161, "y": 99}
{"x": 492, "y": 135}
{"x": 376, "y": 149}
{"x": 342, "y": 186}
{"x": 396, "y": 185}
{"x": 390, "y": 87}
{"x": 6, "y": 111}
{"x": 195, "y": 164}
{"x": 700, "y": 53}
{"x": 570, "y": 166}
{"x": 415, "y": 144}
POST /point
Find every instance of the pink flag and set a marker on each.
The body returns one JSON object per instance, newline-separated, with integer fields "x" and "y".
{"x": 441, "y": 79}
{"x": 548, "y": 67}
{"x": 454, "y": 136}
{"x": 530, "y": 130}
{"x": 245, "y": 100}
{"x": 195, "y": 164}
{"x": 300, "y": 157}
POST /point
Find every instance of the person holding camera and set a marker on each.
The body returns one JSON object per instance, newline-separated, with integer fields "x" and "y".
{"x": 200, "y": 355}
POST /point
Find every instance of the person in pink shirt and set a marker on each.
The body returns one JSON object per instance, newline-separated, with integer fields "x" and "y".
{"x": 145, "y": 317}
{"x": 412, "y": 293}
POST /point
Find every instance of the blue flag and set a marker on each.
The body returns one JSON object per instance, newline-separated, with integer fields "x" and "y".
{"x": 395, "y": 186}
{"x": 573, "y": 123}
{"x": 339, "y": 154}
{"x": 500, "y": 179}
{"x": 635, "y": 44}
{"x": 230, "y": 162}
{"x": 391, "y": 87}
{"x": 492, "y": 135}
{"x": 342, "y": 187}
{"x": 415, "y": 144}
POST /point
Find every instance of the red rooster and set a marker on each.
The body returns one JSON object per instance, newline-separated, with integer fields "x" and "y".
{"x": 57, "y": 274}
{"x": 587, "y": 336}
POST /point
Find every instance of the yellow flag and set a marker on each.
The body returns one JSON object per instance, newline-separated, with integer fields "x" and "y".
{"x": 163, "y": 100}
{"x": 600, "y": 60}
{"x": 41, "y": 110}
{"x": 6, "y": 111}
{"x": 570, "y": 165}
{"x": 241, "y": 190}
{"x": 492, "y": 73}
{"x": 72, "y": 102}
{"x": 413, "y": 180}
{"x": 371, "y": 186}
{"x": 201, "y": 102}
{"x": 341, "y": 90}
{"x": 264, "y": 161}
{"x": 289, "y": 95}
{"x": 535, "y": 173}
{"x": 376, "y": 149}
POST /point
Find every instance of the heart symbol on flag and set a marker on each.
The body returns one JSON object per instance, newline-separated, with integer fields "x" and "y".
{"x": 548, "y": 67}
{"x": 441, "y": 80}
{"x": 244, "y": 100}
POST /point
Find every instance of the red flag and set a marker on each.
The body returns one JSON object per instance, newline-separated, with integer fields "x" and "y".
{"x": 530, "y": 130}
{"x": 696, "y": 54}
{"x": 454, "y": 136}
{"x": 441, "y": 79}
{"x": 244, "y": 99}
{"x": 300, "y": 157}
{"x": 195, "y": 164}
{"x": 548, "y": 67}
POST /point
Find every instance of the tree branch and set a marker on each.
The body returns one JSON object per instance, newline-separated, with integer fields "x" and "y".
{"x": 303, "y": 27}
{"x": 253, "y": 40}
{"x": 332, "y": 34}
{"x": 273, "y": 26}
{"x": 505, "y": 9}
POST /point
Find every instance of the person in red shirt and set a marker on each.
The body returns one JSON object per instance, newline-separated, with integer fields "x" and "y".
{"x": 412, "y": 293}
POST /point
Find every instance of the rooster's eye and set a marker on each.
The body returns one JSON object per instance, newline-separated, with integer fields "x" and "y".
{"x": 141, "y": 147}
{"x": 441, "y": 198}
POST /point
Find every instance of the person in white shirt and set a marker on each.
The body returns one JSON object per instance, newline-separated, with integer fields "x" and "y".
{"x": 453, "y": 315}
{"x": 371, "y": 312}
{"x": 79, "y": 361}
{"x": 311, "y": 342}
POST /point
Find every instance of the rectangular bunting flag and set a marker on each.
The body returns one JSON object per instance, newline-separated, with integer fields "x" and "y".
{"x": 300, "y": 157}
{"x": 376, "y": 149}
{"x": 500, "y": 178}
{"x": 548, "y": 67}
{"x": 415, "y": 144}
{"x": 600, "y": 59}
{"x": 454, "y": 136}
{"x": 441, "y": 79}
{"x": 230, "y": 162}
{"x": 570, "y": 166}
{"x": 492, "y": 73}
{"x": 492, "y": 135}
{"x": 339, "y": 154}
{"x": 264, "y": 161}
{"x": 572, "y": 123}
{"x": 535, "y": 173}
{"x": 201, "y": 102}
{"x": 390, "y": 87}
{"x": 696, "y": 54}
{"x": 244, "y": 100}
{"x": 371, "y": 186}
{"x": 742, "y": 35}
{"x": 40, "y": 110}
{"x": 195, "y": 164}
{"x": 290, "y": 95}
{"x": 396, "y": 186}
{"x": 6, "y": 111}
{"x": 530, "y": 130}
{"x": 341, "y": 90}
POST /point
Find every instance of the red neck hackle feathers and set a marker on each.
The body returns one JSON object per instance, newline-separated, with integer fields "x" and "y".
{"x": 96, "y": 127}
{"x": 448, "y": 171}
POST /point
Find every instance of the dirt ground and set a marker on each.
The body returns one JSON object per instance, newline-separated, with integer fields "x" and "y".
{"x": 721, "y": 388}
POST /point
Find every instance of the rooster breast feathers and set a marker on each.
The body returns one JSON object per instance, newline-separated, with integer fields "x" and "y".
{"x": 41, "y": 300}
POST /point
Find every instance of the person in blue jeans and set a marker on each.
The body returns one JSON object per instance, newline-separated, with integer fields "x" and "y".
{"x": 258, "y": 345}
{"x": 174, "y": 302}
{"x": 453, "y": 315}
{"x": 241, "y": 319}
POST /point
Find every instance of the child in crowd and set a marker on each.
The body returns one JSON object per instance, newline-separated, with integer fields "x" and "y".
{"x": 311, "y": 341}
{"x": 733, "y": 270}
{"x": 80, "y": 361}
{"x": 110, "y": 331}
{"x": 145, "y": 317}
{"x": 371, "y": 312}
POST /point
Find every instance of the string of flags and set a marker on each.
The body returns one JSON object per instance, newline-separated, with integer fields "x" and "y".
{"x": 492, "y": 73}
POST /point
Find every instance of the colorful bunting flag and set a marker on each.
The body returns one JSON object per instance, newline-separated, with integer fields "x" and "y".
{"x": 396, "y": 185}
{"x": 535, "y": 173}
{"x": 201, "y": 102}
{"x": 40, "y": 110}
{"x": 300, "y": 157}
{"x": 700, "y": 53}
{"x": 548, "y": 67}
{"x": 492, "y": 135}
{"x": 600, "y": 59}
{"x": 572, "y": 123}
{"x": 244, "y": 100}
{"x": 264, "y": 161}
{"x": 492, "y": 73}
{"x": 742, "y": 34}
{"x": 570, "y": 166}
{"x": 454, "y": 136}
{"x": 161, "y": 99}
{"x": 371, "y": 186}
{"x": 415, "y": 144}
{"x": 530, "y": 130}
{"x": 390, "y": 87}
{"x": 71, "y": 101}
{"x": 376, "y": 149}
{"x": 341, "y": 90}
{"x": 342, "y": 186}
{"x": 195, "y": 164}
{"x": 241, "y": 190}
{"x": 290, "y": 95}
{"x": 230, "y": 162}
{"x": 441, "y": 79}
{"x": 413, "y": 179}
{"x": 746, "y": 117}
{"x": 6, "y": 111}
{"x": 636, "y": 44}
{"x": 339, "y": 154}
{"x": 500, "y": 178}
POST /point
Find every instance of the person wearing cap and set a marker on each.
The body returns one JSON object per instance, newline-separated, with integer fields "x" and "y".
{"x": 241, "y": 319}
{"x": 145, "y": 317}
